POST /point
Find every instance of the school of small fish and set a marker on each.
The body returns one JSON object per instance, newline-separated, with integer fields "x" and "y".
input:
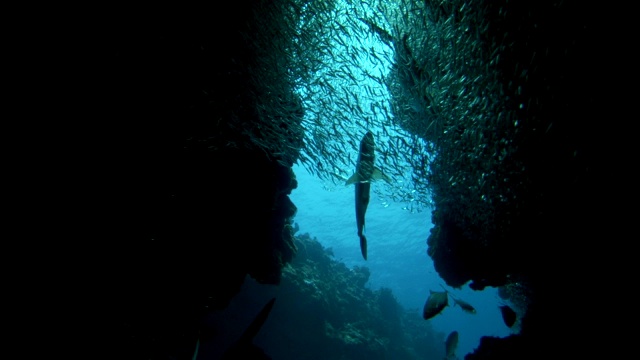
{"x": 415, "y": 73}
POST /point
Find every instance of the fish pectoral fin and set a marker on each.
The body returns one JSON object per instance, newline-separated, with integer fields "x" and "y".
{"x": 378, "y": 174}
{"x": 353, "y": 179}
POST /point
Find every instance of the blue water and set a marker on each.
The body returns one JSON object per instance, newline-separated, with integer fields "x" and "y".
{"x": 397, "y": 254}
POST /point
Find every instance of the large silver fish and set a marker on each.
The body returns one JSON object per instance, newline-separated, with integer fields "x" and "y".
{"x": 436, "y": 302}
{"x": 365, "y": 173}
{"x": 451, "y": 344}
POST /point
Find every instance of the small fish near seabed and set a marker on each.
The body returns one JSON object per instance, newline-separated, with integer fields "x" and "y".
{"x": 436, "y": 302}
{"x": 508, "y": 315}
{"x": 365, "y": 173}
{"x": 450, "y": 345}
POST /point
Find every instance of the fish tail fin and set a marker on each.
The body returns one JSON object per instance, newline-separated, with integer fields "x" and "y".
{"x": 363, "y": 246}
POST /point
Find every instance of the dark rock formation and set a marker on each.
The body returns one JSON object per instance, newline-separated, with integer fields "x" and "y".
{"x": 179, "y": 205}
{"x": 536, "y": 236}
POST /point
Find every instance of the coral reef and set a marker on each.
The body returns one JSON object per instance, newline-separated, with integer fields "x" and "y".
{"x": 325, "y": 311}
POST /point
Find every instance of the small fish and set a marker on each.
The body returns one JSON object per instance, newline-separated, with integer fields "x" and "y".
{"x": 464, "y": 305}
{"x": 508, "y": 315}
{"x": 451, "y": 344}
{"x": 343, "y": 178}
{"x": 436, "y": 302}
